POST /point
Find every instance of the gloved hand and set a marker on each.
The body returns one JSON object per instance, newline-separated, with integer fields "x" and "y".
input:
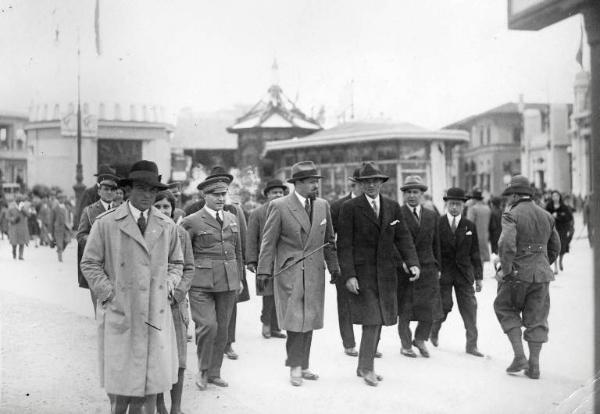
{"x": 262, "y": 280}
{"x": 335, "y": 276}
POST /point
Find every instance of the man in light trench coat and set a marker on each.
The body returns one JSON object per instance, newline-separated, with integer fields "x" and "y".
{"x": 297, "y": 240}
{"x": 133, "y": 261}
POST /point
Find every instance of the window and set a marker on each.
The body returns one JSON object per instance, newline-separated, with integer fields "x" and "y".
{"x": 517, "y": 134}
{"x": 488, "y": 133}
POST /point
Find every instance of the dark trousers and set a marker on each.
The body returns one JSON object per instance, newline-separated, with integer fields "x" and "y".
{"x": 137, "y": 405}
{"x": 368, "y": 346}
{"x": 345, "y": 316}
{"x": 268, "y": 315}
{"x": 231, "y": 327}
{"x": 14, "y": 251}
{"x": 526, "y": 304}
{"x": 211, "y": 312}
{"x": 421, "y": 332}
{"x": 298, "y": 349}
{"x": 467, "y": 306}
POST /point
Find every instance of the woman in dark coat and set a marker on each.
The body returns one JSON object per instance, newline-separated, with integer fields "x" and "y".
{"x": 563, "y": 219}
{"x": 165, "y": 203}
{"x": 18, "y": 230}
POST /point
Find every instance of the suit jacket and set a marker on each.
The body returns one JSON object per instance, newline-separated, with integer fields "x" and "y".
{"x": 58, "y": 223}
{"x": 217, "y": 251}
{"x": 371, "y": 249}
{"x": 529, "y": 242}
{"x": 480, "y": 214}
{"x": 88, "y": 216}
{"x": 290, "y": 235}
{"x": 461, "y": 262}
{"x": 256, "y": 225}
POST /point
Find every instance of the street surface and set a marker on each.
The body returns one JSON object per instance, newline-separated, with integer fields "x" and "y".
{"x": 49, "y": 361}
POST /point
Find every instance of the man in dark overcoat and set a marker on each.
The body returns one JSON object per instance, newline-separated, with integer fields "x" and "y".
{"x": 528, "y": 245}
{"x": 461, "y": 267}
{"x": 298, "y": 239}
{"x": 343, "y": 296}
{"x": 373, "y": 242}
{"x": 256, "y": 225}
{"x": 107, "y": 185}
{"x": 419, "y": 300}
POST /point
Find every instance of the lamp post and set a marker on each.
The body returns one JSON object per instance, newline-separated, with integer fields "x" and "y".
{"x": 79, "y": 187}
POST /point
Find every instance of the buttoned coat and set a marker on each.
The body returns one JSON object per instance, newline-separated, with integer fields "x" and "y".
{"x": 18, "y": 230}
{"x": 417, "y": 300}
{"x": 480, "y": 214}
{"x": 256, "y": 226}
{"x": 336, "y": 207}
{"x": 371, "y": 249}
{"x": 136, "y": 359}
{"x": 529, "y": 242}
{"x": 59, "y": 229}
{"x": 461, "y": 262}
{"x": 217, "y": 251}
{"x": 289, "y": 235}
{"x": 179, "y": 307}
{"x": 88, "y": 216}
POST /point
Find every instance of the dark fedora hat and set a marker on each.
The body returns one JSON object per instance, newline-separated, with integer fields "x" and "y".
{"x": 519, "y": 184}
{"x": 218, "y": 171}
{"x": 302, "y": 170}
{"x": 355, "y": 175}
{"x": 455, "y": 193}
{"x": 274, "y": 183}
{"x": 413, "y": 181}
{"x": 146, "y": 172}
{"x": 106, "y": 173}
{"x": 477, "y": 194}
{"x": 368, "y": 170}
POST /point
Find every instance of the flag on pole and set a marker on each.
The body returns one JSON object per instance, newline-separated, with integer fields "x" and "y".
{"x": 97, "y": 27}
{"x": 579, "y": 55}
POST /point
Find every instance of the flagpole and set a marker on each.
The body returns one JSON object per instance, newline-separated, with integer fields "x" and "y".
{"x": 79, "y": 187}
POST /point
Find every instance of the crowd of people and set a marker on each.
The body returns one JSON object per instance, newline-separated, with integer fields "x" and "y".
{"x": 149, "y": 264}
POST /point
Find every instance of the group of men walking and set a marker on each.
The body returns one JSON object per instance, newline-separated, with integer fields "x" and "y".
{"x": 391, "y": 264}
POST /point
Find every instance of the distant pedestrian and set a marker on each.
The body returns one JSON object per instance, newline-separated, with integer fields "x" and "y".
{"x": 119, "y": 197}
{"x": 133, "y": 262}
{"x": 461, "y": 267}
{"x": 373, "y": 242}
{"x": 343, "y": 295}
{"x": 256, "y": 224}
{"x": 165, "y": 203}
{"x": 3, "y": 218}
{"x": 495, "y": 227}
{"x": 297, "y": 240}
{"x": 419, "y": 300}
{"x": 61, "y": 225}
{"x": 528, "y": 245}
{"x": 18, "y": 230}
{"x": 479, "y": 213}
{"x": 565, "y": 225}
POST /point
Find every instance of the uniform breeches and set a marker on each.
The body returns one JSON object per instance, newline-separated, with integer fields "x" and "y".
{"x": 526, "y": 304}
{"x": 467, "y": 306}
{"x": 211, "y": 312}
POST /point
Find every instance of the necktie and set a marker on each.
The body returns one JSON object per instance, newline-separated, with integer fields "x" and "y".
{"x": 415, "y": 213}
{"x": 219, "y": 220}
{"x": 375, "y": 209}
{"x": 308, "y": 209}
{"x": 453, "y": 224}
{"x": 142, "y": 223}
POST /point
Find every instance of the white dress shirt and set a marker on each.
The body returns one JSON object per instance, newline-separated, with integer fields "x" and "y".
{"x": 213, "y": 213}
{"x": 412, "y": 210}
{"x": 450, "y": 217}
{"x": 376, "y": 201}
{"x": 105, "y": 205}
{"x": 136, "y": 213}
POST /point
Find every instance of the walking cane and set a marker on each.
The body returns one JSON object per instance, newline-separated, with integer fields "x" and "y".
{"x": 301, "y": 259}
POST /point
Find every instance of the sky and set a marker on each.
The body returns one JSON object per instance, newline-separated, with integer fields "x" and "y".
{"x": 427, "y": 62}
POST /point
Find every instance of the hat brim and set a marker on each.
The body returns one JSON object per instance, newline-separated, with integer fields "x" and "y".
{"x": 414, "y": 186}
{"x": 266, "y": 190}
{"x": 209, "y": 181}
{"x": 517, "y": 190}
{"x": 370, "y": 177}
{"x": 293, "y": 180}
{"x": 228, "y": 176}
{"x": 129, "y": 181}
{"x": 446, "y": 198}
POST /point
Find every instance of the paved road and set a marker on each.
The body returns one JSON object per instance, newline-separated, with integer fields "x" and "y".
{"x": 48, "y": 355}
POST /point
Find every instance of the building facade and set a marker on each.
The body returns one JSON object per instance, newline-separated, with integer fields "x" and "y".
{"x": 109, "y": 136}
{"x": 13, "y": 148}
{"x": 580, "y": 135}
{"x": 398, "y": 149}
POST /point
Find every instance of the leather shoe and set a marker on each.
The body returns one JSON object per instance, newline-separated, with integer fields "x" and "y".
{"x": 351, "y": 352}
{"x": 378, "y": 354}
{"x": 422, "y": 348}
{"x": 518, "y": 364}
{"x": 408, "y": 352}
{"x": 361, "y": 373}
{"x": 533, "y": 371}
{"x": 202, "y": 380}
{"x": 308, "y": 375}
{"x": 296, "y": 376}
{"x": 230, "y": 353}
{"x": 475, "y": 352}
{"x": 278, "y": 334}
{"x": 370, "y": 378}
{"x": 218, "y": 381}
{"x": 266, "y": 331}
{"x": 434, "y": 340}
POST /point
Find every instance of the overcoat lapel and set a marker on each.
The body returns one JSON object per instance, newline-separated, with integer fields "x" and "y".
{"x": 411, "y": 223}
{"x": 317, "y": 213}
{"x": 384, "y": 212}
{"x": 128, "y": 226}
{"x": 299, "y": 212}
{"x": 459, "y": 234}
{"x": 367, "y": 209}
